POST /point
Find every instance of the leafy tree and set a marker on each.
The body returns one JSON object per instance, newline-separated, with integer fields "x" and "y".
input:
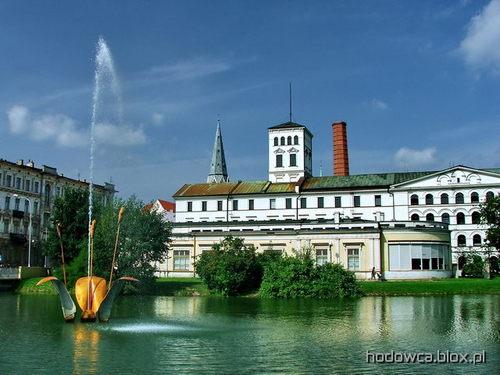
{"x": 298, "y": 276}
{"x": 71, "y": 211}
{"x": 473, "y": 267}
{"x": 230, "y": 267}
{"x": 143, "y": 240}
{"x": 490, "y": 214}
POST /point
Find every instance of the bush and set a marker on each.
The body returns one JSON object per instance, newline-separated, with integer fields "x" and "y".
{"x": 291, "y": 277}
{"x": 230, "y": 268}
{"x": 474, "y": 267}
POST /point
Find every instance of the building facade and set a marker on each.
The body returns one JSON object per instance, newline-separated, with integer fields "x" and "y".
{"x": 27, "y": 193}
{"x": 406, "y": 225}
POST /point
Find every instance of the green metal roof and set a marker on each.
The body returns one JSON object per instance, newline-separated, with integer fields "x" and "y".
{"x": 360, "y": 181}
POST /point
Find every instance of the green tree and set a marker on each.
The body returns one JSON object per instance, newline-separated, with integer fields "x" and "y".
{"x": 473, "y": 267}
{"x": 490, "y": 214}
{"x": 143, "y": 240}
{"x": 71, "y": 211}
{"x": 230, "y": 267}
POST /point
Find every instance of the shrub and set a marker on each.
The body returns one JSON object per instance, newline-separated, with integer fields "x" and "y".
{"x": 230, "y": 267}
{"x": 291, "y": 277}
{"x": 474, "y": 267}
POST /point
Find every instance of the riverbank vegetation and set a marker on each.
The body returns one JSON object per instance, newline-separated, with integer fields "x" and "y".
{"x": 233, "y": 268}
{"x": 142, "y": 241}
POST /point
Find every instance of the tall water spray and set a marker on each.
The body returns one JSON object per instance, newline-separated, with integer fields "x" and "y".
{"x": 107, "y": 109}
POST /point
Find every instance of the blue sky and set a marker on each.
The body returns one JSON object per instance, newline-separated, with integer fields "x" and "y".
{"x": 418, "y": 83}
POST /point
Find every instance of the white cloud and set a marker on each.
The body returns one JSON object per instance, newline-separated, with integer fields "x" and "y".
{"x": 58, "y": 127}
{"x": 408, "y": 157}
{"x": 64, "y": 130}
{"x": 378, "y": 104}
{"x": 480, "y": 47}
{"x": 119, "y": 135}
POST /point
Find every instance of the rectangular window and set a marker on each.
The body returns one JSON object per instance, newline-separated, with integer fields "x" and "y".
{"x": 235, "y": 205}
{"x": 6, "y": 224}
{"x": 18, "y": 183}
{"x": 338, "y": 202}
{"x": 293, "y": 160}
{"x": 321, "y": 202}
{"x": 35, "y": 208}
{"x": 272, "y": 204}
{"x": 288, "y": 203}
{"x": 26, "y": 206}
{"x": 353, "y": 259}
{"x": 27, "y": 185}
{"x": 321, "y": 256}
{"x": 219, "y": 205}
{"x": 378, "y": 200}
{"x": 357, "y": 201}
{"x": 279, "y": 161}
{"x": 17, "y": 203}
{"x": 303, "y": 202}
{"x": 181, "y": 260}
{"x": 37, "y": 184}
{"x": 190, "y": 206}
{"x": 7, "y": 203}
{"x": 8, "y": 181}
{"x": 203, "y": 205}
{"x": 58, "y": 191}
{"x": 250, "y": 204}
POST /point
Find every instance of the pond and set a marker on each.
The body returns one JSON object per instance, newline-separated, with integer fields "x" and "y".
{"x": 158, "y": 335}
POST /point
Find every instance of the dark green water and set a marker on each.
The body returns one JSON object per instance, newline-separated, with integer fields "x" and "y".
{"x": 166, "y": 335}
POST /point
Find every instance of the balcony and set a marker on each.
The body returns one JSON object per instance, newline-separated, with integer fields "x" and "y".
{"x": 18, "y": 238}
{"x": 17, "y": 214}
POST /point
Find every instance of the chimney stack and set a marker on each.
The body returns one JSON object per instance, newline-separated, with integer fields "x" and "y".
{"x": 340, "y": 151}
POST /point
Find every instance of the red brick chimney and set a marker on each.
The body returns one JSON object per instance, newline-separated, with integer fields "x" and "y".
{"x": 340, "y": 152}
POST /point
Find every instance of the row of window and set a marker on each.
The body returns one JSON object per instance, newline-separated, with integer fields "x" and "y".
{"x": 445, "y": 218}
{"x": 182, "y": 261}
{"x": 476, "y": 240}
{"x": 17, "y": 183}
{"x": 404, "y": 257}
{"x": 279, "y": 160}
{"x": 288, "y": 203}
{"x": 281, "y": 141}
{"x": 17, "y": 228}
{"x": 445, "y": 199}
{"x": 17, "y": 205}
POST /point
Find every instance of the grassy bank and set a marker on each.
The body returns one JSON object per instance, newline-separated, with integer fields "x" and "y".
{"x": 191, "y": 286}
{"x": 431, "y": 287}
{"x": 28, "y": 286}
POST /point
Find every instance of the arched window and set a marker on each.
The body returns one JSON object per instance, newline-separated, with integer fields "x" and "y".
{"x": 461, "y": 240}
{"x": 296, "y": 140}
{"x": 445, "y": 218}
{"x": 429, "y": 217}
{"x": 474, "y": 197}
{"x": 276, "y": 141}
{"x": 489, "y": 195}
{"x": 282, "y": 141}
{"x": 289, "y": 140}
{"x": 476, "y": 240}
{"x": 460, "y": 218}
{"x": 461, "y": 261}
{"x": 414, "y": 200}
{"x": 476, "y": 217}
{"x": 429, "y": 199}
{"x": 459, "y": 198}
{"x": 445, "y": 199}
{"x": 415, "y": 217}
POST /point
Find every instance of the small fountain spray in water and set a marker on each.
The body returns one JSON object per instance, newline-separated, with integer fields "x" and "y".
{"x": 105, "y": 87}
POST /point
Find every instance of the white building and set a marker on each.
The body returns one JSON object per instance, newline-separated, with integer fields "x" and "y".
{"x": 165, "y": 208}
{"x": 406, "y": 225}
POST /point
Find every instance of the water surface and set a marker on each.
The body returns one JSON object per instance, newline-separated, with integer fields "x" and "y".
{"x": 159, "y": 335}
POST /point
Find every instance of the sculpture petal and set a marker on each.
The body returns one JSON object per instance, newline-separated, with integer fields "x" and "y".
{"x": 107, "y": 304}
{"x": 67, "y": 304}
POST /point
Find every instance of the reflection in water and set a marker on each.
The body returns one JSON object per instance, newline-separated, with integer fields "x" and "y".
{"x": 247, "y": 335}
{"x": 85, "y": 350}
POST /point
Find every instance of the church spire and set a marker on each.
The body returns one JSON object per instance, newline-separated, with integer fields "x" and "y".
{"x": 218, "y": 169}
